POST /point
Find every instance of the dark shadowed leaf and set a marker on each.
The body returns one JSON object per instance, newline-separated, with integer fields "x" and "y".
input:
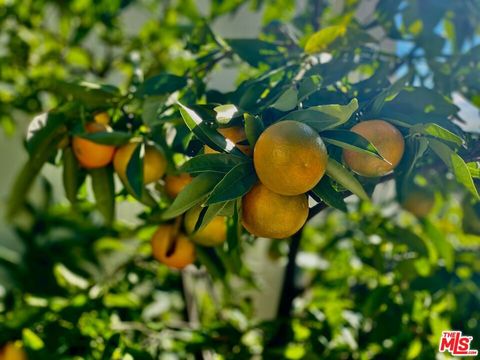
{"x": 308, "y": 86}
{"x": 73, "y": 175}
{"x": 390, "y": 92}
{"x": 207, "y": 214}
{"x": 104, "y": 191}
{"x": 237, "y": 182}
{"x": 134, "y": 170}
{"x": 325, "y": 192}
{"x": 116, "y": 138}
{"x": 349, "y": 140}
{"x": 192, "y": 194}
{"x": 90, "y": 94}
{"x": 212, "y": 262}
{"x": 161, "y": 84}
{"x": 220, "y": 163}
{"x": 254, "y": 51}
{"x": 253, "y": 128}
{"x": 410, "y": 239}
{"x": 414, "y": 105}
{"x": 324, "y": 117}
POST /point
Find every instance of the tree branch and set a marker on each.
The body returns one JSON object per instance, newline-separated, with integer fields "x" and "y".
{"x": 289, "y": 291}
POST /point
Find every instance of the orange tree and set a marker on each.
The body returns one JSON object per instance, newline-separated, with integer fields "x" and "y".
{"x": 323, "y": 113}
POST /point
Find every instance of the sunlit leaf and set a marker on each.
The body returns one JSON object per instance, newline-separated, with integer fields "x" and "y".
{"x": 345, "y": 178}
{"x": 205, "y": 133}
{"x": 322, "y": 39}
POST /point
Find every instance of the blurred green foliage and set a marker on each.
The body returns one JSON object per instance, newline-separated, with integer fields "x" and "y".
{"x": 373, "y": 283}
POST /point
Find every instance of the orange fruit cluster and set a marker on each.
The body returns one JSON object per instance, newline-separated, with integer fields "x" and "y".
{"x": 290, "y": 158}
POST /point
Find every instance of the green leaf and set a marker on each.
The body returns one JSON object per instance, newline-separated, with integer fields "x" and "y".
{"x": 325, "y": 191}
{"x": 116, "y": 138}
{"x": 41, "y": 128}
{"x": 308, "y": 86}
{"x": 390, "y": 92}
{"x": 254, "y": 51}
{"x": 474, "y": 168}
{"x": 225, "y": 113}
{"x": 350, "y": 140}
{"x": 287, "y": 101}
{"x": 205, "y": 133}
{"x": 219, "y": 163}
{"x": 456, "y": 164}
{"x": 127, "y": 300}
{"x": 212, "y": 262}
{"x": 441, "y": 243}
{"x": 32, "y": 340}
{"x": 145, "y": 197}
{"x": 463, "y": 175}
{"x": 436, "y": 131}
{"x": 415, "y": 105}
{"x": 104, "y": 190}
{"x": 44, "y": 150}
{"x": 193, "y": 194}
{"x": 90, "y": 94}
{"x": 322, "y": 39}
{"x": 68, "y": 279}
{"x": 414, "y": 349}
{"x": 152, "y": 106}
{"x": 236, "y": 183}
{"x": 134, "y": 170}
{"x": 207, "y": 214}
{"x": 72, "y": 175}
{"x": 161, "y": 84}
{"x": 345, "y": 178}
{"x": 253, "y": 128}
{"x": 410, "y": 239}
{"x": 324, "y": 117}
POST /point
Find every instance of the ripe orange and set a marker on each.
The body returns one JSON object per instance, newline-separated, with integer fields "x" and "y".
{"x": 175, "y": 183}
{"x": 215, "y": 233}
{"x": 154, "y": 162}
{"x": 236, "y": 134}
{"x": 92, "y": 155}
{"x": 290, "y": 158}
{"x": 171, "y": 248}
{"x": 12, "y": 351}
{"x": 271, "y": 215}
{"x": 102, "y": 118}
{"x": 389, "y": 143}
